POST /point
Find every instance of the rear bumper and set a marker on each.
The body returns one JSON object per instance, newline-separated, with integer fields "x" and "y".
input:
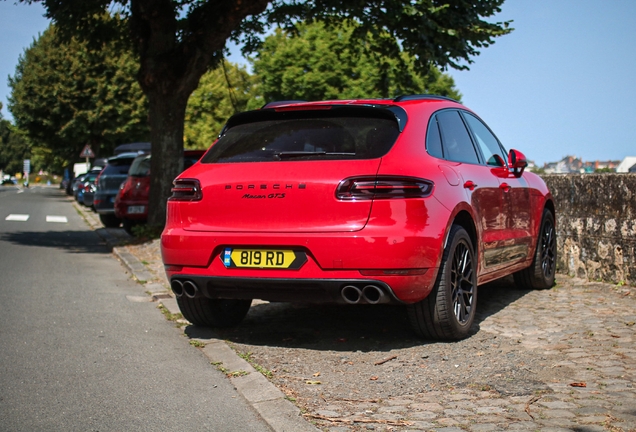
{"x": 121, "y": 210}
{"x": 404, "y": 270}
{"x": 104, "y": 203}
{"x": 287, "y": 290}
{"x": 400, "y": 252}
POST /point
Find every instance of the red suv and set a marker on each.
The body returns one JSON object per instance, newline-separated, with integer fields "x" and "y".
{"x": 131, "y": 202}
{"x": 409, "y": 201}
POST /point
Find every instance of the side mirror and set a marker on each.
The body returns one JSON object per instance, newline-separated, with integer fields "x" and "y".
{"x": 517, "y": 162}
{"x": 499, "y": 166}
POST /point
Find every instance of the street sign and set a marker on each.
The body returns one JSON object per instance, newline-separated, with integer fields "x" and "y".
{"x": 27, "y": 166}
{"x": 87, "y": 152}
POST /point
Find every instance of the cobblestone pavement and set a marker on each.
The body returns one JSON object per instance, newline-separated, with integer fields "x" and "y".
{"x": 562, "y": 359}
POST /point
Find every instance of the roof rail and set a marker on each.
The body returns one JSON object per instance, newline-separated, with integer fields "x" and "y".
{"x": 279, "y": 103}
{"x": 422, "y": 97}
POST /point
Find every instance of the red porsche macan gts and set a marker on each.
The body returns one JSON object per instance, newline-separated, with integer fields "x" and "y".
{"x": 409, "y": 201}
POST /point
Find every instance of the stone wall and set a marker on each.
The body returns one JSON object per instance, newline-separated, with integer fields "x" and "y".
{"x": 596, "y": 225}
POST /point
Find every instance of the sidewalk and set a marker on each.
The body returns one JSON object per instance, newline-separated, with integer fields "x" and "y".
{"x": 144, "y": 263}
{"x": 562, "y": 359}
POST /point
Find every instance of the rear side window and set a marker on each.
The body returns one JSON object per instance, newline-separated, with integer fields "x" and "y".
{"x": 433, "y": 139}
{"x": 140, "y": 167}
{"x": 488, "y": 143}
{"x": 456, "y": 142}
{"x": 306, "y": 135}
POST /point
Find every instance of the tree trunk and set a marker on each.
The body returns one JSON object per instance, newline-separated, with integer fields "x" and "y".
{"x": 167, "y": 116}
{"x": 174, "y": 54}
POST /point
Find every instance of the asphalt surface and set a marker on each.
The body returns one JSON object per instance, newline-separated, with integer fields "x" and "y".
{"x": 82, "y": 347}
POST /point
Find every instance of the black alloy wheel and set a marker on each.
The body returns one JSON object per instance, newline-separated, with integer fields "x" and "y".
{"x": 548, "y": 249}
{"x": 542, "y": 271}
{"x": 449, "y": 310}
{"x": 462, "y": 283}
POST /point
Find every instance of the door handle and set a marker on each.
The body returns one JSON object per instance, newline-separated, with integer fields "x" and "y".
{"x": 470, "y": 185}
{"x": 505, "y": 187}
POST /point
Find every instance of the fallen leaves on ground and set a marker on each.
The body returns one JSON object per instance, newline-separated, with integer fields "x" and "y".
{"x": 360, "y": 420}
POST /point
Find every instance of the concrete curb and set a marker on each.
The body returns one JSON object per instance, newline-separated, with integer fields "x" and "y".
{"x": 270, "y": 403}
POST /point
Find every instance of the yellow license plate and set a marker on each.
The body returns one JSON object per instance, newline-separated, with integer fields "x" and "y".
{"x": 263, "y": 258}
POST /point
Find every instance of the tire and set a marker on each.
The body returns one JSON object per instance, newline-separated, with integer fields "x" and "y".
{"x": 541, "y": 273}
{"x": 449, "y": 310}
{"x": 205, "y": 312}
{"x": 109, "y": 220}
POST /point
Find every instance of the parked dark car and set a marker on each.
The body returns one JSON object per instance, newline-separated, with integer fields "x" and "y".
{"x": 131, "y": 203}
{"x": 75, "y": 184}
{"x": 108, "y": 182}
{"x": 89, "y": 193}
{"x": 84, "y": 183}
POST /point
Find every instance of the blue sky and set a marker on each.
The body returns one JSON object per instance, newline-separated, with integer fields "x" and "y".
{"x": 563, "y": 83}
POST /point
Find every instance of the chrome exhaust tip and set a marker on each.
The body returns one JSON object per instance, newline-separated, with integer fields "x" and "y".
{"x": 351, "y": 294}
{"x": 373, "y": 294}
{"x": 190, "y": 289}
{"x": 177, "y": 287}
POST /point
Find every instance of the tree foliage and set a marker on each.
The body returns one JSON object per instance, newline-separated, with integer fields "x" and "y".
{"x": 66, "y": 95}
{"x": 317, "y": 62}
{"x": 180, "y": 40}
{"x": 14, "y": 147}
{"x": 222, "y": 92}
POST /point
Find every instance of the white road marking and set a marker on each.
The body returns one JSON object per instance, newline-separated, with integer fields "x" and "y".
{"x": 17, "y": 217}
{"x": 58, "y": 219}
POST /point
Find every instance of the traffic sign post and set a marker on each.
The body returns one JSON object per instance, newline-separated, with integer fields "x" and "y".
{"x": 87, "y": 153}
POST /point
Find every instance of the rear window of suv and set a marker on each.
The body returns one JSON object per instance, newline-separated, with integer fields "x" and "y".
{"x": 117, "y": 166}
{"x": 314, "y": 134}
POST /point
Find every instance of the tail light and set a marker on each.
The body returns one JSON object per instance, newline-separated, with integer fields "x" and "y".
{"x": 383, "y": 187}
{"x": 186, "y": 190}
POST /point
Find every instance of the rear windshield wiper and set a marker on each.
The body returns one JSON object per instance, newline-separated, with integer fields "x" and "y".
{"x": 295, "y": 154}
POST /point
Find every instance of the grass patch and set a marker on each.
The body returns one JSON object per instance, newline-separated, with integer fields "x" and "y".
{"x": 238, "y": 373}
{"x": 169, "y": 316}
{"x": 247, "y": 356}
{"x": 220, "y": 367}
{"x": 197, "y": 343}
{"x": 147, "y": 232}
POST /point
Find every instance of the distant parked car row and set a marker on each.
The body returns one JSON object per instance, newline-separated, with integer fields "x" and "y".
{"x": 120, "y": 191}
{"x": 9, "y": 180}
{"x": 131, "y": 202}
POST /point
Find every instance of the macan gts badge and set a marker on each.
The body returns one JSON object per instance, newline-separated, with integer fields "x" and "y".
{"x": 410, "y": 201}
{"x": 264, "y": 190}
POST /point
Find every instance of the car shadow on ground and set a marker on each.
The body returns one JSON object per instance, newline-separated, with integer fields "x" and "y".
{"x": 67, "y": 241}
{"x": 345, "y": 327}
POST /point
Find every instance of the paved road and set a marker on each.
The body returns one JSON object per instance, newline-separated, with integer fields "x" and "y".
{"x": 79, "y": 350}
